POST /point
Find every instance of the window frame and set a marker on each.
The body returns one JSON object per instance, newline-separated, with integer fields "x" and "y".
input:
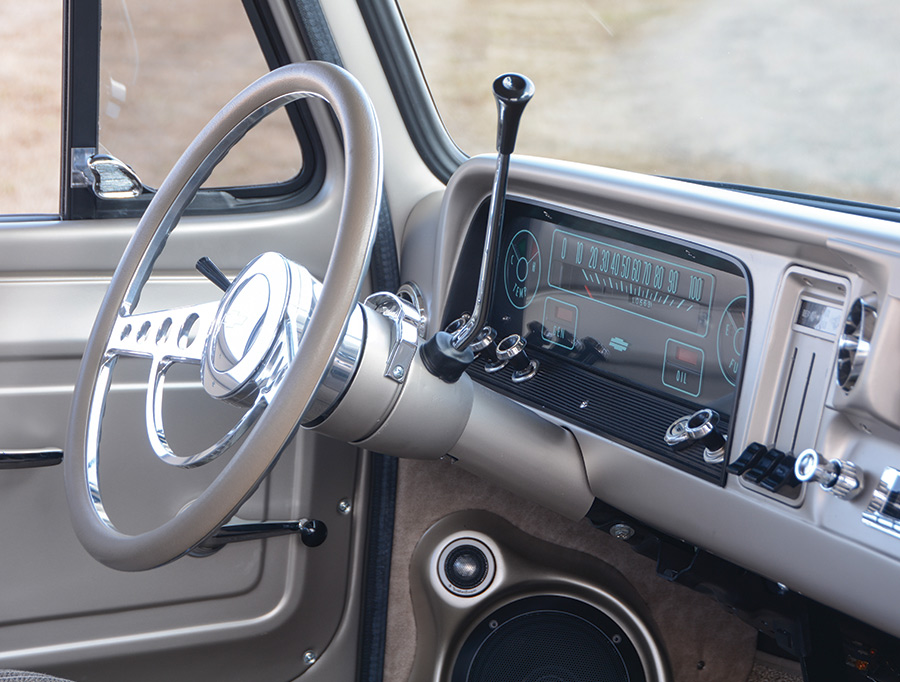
{"x": 393, "y": 44}
{"x": 80, "y": 126}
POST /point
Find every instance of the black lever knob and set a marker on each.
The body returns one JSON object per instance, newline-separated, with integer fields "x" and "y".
{"x": 211, "y": 271}
{"x": 512, "y": 92}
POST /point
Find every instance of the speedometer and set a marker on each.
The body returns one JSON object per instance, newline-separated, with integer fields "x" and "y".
{"x": 638, "y": 282}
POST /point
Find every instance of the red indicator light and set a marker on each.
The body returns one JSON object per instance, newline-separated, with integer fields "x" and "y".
{"x": 565, "y": 313}
{"x": 687, "y": 356}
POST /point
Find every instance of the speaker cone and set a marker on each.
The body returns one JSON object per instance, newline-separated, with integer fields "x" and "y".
{"x": 548, "y": 639}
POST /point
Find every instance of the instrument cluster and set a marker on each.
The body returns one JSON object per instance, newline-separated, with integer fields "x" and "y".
{"x": 618, "y": 316}
{"x": 666, "y": 315}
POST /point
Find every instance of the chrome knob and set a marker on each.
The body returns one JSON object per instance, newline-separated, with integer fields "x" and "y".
{"x": 841, "y": 479}
{"x": 701, "y": 426}
{"x": 854, "y": 345}
{"x": 483, "y": 340}
{"x": 511, "y": 350}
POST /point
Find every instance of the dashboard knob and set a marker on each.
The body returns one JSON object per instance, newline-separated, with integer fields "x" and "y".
{"x": 492, "y": 363}
{"x": 841, "y": 479}
{"x": 483, "y": 340}
{"x": 855, "y": 343}
{"x": 591, "y": 351}
{"x": 701, "y": 426}
{"x": 511, "y": 350}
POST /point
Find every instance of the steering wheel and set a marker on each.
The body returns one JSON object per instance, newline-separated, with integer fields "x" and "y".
{"x": 285, "y": 375}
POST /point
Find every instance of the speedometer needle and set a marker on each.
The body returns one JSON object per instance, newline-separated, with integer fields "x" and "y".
{"x": 588, "y": 290}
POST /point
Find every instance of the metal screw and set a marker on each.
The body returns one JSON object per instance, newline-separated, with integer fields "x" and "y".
{"x": 344, "y": 506}
{"x": 310, "y": 657}
{"x": 398, "y": 372}
{"x": 621, "y": 531}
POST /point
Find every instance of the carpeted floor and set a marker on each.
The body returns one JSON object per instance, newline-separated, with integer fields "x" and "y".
{"x": 704, "y": 642}
{"x": 762, "y": 673}
{"x": 766, "y": 669}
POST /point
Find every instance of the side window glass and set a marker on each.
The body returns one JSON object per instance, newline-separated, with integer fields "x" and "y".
{"x": 30, "y": 106}
{"x": 166, "y": 68}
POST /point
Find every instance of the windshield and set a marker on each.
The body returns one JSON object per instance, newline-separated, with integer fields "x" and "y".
{"x": 801, "y": 96}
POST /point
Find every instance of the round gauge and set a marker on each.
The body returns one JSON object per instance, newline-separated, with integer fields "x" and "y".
{"x": 522, "y": 268}
{"x": 730, "y": 338}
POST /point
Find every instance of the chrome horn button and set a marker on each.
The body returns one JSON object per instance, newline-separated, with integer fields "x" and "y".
{"x": 253, "y": 328}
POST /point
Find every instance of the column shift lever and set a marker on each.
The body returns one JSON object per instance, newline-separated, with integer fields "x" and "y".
{"x": 512, "y": 92}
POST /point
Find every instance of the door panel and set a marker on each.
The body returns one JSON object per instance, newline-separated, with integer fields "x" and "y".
{"x": 60, "y": 610}
{"x": 250, "y": 611}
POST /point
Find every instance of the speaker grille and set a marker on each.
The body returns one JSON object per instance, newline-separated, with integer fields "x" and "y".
{"x": 548, "y": 639}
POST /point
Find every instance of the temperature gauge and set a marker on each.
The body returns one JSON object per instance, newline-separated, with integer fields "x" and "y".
{"x": 522, "y": 269}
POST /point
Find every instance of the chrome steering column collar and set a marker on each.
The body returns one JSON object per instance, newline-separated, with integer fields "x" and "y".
{"x": 407, "y": 330}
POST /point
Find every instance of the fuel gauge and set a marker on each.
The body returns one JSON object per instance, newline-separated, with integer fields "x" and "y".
{"x": 730, "y": 339}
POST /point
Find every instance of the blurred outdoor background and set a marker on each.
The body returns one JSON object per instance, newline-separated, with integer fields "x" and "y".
{"x": 30, "y": 94}
{"x": 800, "y": 96}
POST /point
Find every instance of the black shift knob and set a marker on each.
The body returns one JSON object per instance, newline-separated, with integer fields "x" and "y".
{"x": 512, "y": 91}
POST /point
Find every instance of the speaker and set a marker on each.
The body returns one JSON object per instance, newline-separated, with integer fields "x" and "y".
{"x": 548, "y": 638}
{"x": 466, "y": 567}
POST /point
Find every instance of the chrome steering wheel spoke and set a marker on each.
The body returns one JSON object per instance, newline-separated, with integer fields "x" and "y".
{"x": 156, "y": 433}
{"x": 175, "y": 335}
{"x": 167, "y": 338}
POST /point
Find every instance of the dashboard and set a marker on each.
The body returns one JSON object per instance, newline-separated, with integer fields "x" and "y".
{"x": 629, "y": 332}
{"x": 758, "y": 327}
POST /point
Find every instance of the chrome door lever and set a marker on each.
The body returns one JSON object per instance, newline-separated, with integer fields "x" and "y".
{"x": 312, "y": 533}
{"x": 29, "y": 459}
